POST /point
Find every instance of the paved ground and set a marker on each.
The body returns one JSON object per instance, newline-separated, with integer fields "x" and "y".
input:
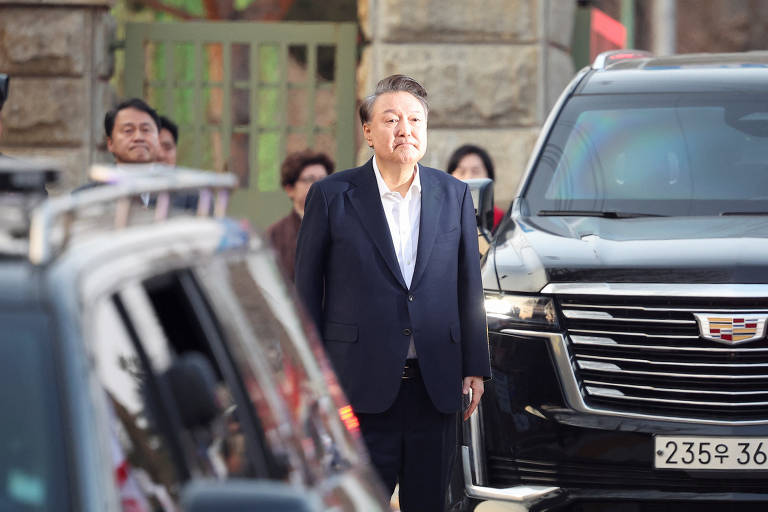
{"x": 499, "y": 506}
{"x": 487, "y": 506}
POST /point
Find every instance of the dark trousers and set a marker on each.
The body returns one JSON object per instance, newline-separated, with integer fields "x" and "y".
{"x": 412, "y": 444}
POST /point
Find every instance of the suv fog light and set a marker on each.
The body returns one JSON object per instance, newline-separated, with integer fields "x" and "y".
{"x": 502, "y": 309}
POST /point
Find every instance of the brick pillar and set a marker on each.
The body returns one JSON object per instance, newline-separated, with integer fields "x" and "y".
{"x": 57, "y": 53}
{"x": 492, "y": 69}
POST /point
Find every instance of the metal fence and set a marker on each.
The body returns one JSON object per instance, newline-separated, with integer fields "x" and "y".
{"x": 245, "y": 94}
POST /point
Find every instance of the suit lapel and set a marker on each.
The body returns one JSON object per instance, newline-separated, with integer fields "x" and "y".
{"x": 432, "y": 199}
{"x": 366, "y": 200}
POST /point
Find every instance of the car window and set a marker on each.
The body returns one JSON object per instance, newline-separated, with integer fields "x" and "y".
{"x": 175, "y": 412}
{"x": 221, "y": 425}
{"x": 145, "y": 471}
{"x": 671, "y": 154}
{"x": 32, "y": 466}
{"x": 289, "y": 373}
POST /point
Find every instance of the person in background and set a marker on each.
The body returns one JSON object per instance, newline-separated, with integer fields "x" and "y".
{"x": 169, "y": 140}
{"x": 471, "y": 162}
{"x": 132, "y": 129}
{"x": 298, "y": 172}
{"x": 4, "y": 83}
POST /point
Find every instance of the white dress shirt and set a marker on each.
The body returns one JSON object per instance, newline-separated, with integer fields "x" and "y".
{"x": 403, "y": 215}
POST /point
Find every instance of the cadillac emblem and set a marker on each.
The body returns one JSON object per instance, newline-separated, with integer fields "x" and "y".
{"x": 731, "y": 329}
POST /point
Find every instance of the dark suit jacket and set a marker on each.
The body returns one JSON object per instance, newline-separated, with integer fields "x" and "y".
{"x": 179, "y": 200}
{"x": 348, "y": 276}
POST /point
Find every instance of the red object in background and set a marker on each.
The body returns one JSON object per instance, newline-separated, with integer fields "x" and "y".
{"x": 605, "y": 33}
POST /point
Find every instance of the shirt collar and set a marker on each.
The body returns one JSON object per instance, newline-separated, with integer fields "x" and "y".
{"x": 384, "y": 189}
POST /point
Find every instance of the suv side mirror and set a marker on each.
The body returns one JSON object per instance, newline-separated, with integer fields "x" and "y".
{"x": 238, "y": 495}
{"x": 482, "y": 195}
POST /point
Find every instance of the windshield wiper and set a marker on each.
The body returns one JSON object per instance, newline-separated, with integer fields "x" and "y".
{"x": 606, "y": 214}
{"x": 744, "y": 213}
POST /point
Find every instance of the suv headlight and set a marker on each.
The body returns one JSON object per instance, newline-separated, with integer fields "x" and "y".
{"x": 534, "y": 310}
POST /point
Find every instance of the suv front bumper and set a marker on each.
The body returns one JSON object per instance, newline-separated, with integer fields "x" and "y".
{"x": 535, "y": 414}
{"x": 525, "y": 495}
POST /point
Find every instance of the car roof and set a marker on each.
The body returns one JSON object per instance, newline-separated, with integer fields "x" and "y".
{"x": 706, "y": 72}
{"x": 99, "y": 223}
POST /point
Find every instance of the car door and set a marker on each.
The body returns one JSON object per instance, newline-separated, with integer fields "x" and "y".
{"x": 290, "y": 378}
{"x": 177, "y": 405}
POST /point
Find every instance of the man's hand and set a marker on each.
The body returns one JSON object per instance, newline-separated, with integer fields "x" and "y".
{"x": 477, "y": 387}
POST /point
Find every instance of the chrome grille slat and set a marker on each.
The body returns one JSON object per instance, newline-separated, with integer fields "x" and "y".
{"x": 638, "y": 334}
{"x": 644, "y": 354}
{"x": 673, "y": 363}
{"x": 672, "y": 374}
{"x": 571, "y": 314}
{"x": 682, "y": 310}
{"x": 714, "y": 350}
{"x": 686, "y": 402}
{"x": 671, "y": 390}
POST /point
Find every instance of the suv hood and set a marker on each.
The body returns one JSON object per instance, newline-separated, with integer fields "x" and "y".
{"x": 540, "y": 250}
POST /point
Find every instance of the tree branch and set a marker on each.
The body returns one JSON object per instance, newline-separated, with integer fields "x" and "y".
{"x": 158, "y": 5}
{"x": 219, "y": 9}
{"x": 270, "y": 10}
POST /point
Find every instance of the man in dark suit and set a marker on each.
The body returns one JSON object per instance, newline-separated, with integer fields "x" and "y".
{"x": 131, "y": 129}
{"x": 387, "y": 267}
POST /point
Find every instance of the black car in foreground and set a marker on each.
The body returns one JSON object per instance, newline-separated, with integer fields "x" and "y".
{"x": 627, "y": 297}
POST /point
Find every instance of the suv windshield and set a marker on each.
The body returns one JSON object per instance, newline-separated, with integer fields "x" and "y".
{"x": 32, "y": 473}
{"x": 655, "y": 154}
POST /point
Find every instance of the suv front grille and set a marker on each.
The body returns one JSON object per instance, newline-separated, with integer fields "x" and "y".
{"x": 646, "y": 355}
{"x": 507, "y": 472}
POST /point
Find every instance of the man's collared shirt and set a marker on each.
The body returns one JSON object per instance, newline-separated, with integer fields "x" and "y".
{"x": 403, "y": 215}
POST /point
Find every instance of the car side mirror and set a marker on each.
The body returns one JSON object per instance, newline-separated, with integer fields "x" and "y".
{"x": 237, "y": 495}
{"x": 482, "y": 195}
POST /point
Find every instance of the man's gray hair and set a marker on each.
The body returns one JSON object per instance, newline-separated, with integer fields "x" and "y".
{"x": 393, "y": 83}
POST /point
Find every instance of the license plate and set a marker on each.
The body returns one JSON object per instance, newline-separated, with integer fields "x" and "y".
{"x": 674, "y": 452}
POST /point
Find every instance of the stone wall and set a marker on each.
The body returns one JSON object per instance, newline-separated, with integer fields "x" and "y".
{"x": 57, "y": 54}
{"x": 492, "y": 70}
{"x": 721, "y": 26}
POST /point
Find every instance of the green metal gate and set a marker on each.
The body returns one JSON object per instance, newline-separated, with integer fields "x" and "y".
{"x": 245, "y": 94}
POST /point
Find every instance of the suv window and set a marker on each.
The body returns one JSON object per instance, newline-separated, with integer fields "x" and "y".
{"x": 32, "y": 468}
{"x": 663, "y": 154}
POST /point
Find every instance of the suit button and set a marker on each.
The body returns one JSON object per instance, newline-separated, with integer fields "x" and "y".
{"x": 406, "y": 332}
{"x": 410, "y": 298}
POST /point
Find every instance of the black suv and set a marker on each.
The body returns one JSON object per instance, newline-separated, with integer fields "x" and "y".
{"x": 627, "y": 295}
{"x": 155, "y": 360}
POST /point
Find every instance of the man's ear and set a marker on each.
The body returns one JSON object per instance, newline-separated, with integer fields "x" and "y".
{"x": 109, "y": 144}
{"x": 367, "y": 134}
{"x": 289, "y": 190}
